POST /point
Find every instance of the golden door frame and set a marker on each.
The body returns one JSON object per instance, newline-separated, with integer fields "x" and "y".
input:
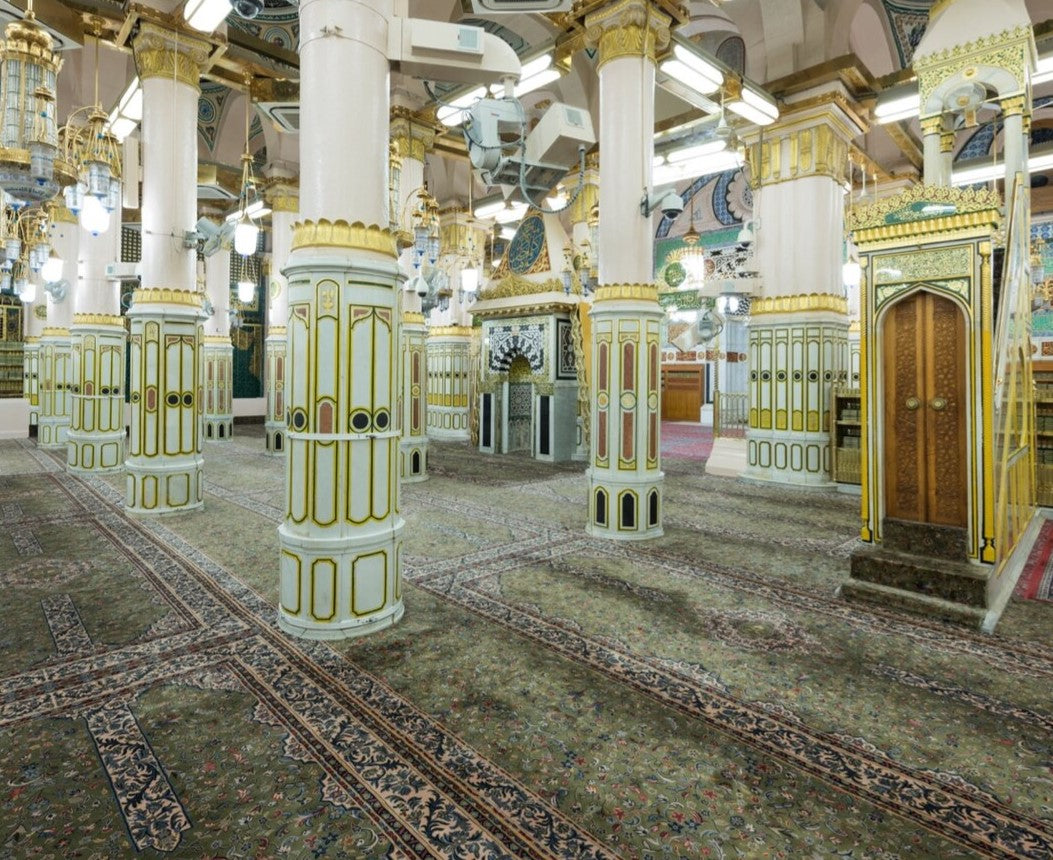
{"x": 970, "y": 398}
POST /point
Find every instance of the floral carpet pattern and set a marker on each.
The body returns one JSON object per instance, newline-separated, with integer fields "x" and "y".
{"x": 546, "y": 695}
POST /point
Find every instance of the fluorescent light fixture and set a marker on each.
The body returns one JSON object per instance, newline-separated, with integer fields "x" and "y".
{"x": 1043, "y": 70}
{"x": 754, "y": 106}
{"x": 536, "y": 82}
{"x": 507, "y": 233}
{"x": 206, "y": 15}
{"x": 256, "y": 209}
{"x": 535, "y": 74}
{"x": 514, "y": 212}
{"x": 698, "y": 64}
{"x": 690, "y": 77}
{"x": 452, "y": 113}
{"x": 489, "y": 208}
{"x": 687, "y": 153}
{"x": 666, "y": 174}
{"x": 972, "y": 175}
{"x": 128, "y": 112}
{"x": 896, "y": 103}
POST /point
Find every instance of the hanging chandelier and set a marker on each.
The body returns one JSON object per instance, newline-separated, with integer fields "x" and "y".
{"x": 425, "y": 228}
{"x": 95, "y": 155}
{"x": 250, "y": 204}
{"x": 693, "y": 257}
{"x": 28, "y": 129}
{"x": 26, "y": 249}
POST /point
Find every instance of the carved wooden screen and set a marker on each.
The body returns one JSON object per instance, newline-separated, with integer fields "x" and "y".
{"x": 923, "y": 356}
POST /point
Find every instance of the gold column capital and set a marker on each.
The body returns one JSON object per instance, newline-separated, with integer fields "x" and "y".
{"x": 162, "y": 53}
{"x": 946, "y": 141}
{"x": 414, "y": 137}
{"x": 1013, "y": 106}
{"x": 627, "y": 28}
{"x": 283, "y": 196}
{"x": 932, "y": 124}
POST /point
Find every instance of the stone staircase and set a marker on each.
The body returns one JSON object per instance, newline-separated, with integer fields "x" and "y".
{"x": 920, "y": 568}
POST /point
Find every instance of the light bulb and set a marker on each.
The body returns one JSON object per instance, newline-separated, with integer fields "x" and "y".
{"x": 246, "y": 291}
{"x": 470, "y": 279}
{"x": 245, "y": 236}
{"x": 27, "y": 290}
{"x": 93, "y": 216}
{"x": 51, "y": 271}
{"x": 851, "y": 274}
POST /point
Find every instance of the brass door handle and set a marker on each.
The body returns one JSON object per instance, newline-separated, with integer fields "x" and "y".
{"x": 938, "y": 404}
{"x": 912, "y": 403}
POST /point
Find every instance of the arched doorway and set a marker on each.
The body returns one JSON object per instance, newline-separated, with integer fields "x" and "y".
{"x": 925, "y": 410}
{"x": 520, "y": 404}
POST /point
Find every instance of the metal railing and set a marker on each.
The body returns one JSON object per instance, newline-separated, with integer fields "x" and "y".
{"x": 731, "y": 412}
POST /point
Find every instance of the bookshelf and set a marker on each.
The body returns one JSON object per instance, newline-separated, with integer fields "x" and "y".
{"x": 846, "y": 434}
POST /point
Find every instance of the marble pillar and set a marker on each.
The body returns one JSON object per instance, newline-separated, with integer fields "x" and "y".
{"x": 625, "y": 471}
{"x": 56, "y": 360}
{"x": 283, "y": 198}
{"x": 218, "y": 352}
{"x": 165, "y": 463}
{"x": 341, "y": 539}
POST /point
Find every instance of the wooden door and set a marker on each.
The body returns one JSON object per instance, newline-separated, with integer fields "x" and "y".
{"x": 682, "y": 392}
{"x": 925, "y": 410}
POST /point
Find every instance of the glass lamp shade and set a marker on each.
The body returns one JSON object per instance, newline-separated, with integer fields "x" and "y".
{"x": 74, "y": 195}
{"x": 26, "y": 289}
{"x": 246, "y": 291}
{"x": 5, "y": 282}
{"x": 13, "y": 249}
{"x": 851, "y": 274}
{"x": 245, "y": 236}
{"x": 51, "y": 271}
{"x": 470, "y": 280}
{"x": 93, "y": 216}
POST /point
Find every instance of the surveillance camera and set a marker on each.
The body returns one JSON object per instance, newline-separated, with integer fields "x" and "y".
{"x": 248, "y": 8}
{"x": 672, "y": 204}
{"x": 417, "y": 285}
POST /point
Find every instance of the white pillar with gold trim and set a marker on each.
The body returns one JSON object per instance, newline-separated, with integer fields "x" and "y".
{"x": 56, "y": 361}
{"x": 625, "y": 470}
{"x": 798, "y": 329}
{"x": 164, "y": 465}
{"x": 218, "y": 351}
{"x": 414, "y": 138}
{"x": 98, "y": 338}
{"x": 341, "y": 539}
{"x": 283, "y": 198}
{"x": 34, "y": 316}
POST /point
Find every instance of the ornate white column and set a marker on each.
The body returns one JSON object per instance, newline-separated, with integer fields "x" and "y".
{"x": 98, "y": 337}
{"x": 218, "y": 352}
{"x": 33, "y": 319}
{"x": 1017, "y": 115}
{"x": 625, "y": 473}
{"x": 414, "y": 139}
{"x": 341, "y": 540}
{"x": 283, "y": 198}
{"x": 56, "y": 362}
{"x": 584, "y": 219}
{"x": 164, "y": 465}
{"x": 798, "y": 330}
{"x": 932, "y": 144}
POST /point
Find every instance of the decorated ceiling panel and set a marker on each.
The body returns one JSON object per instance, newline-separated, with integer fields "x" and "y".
{"x": 908, "y": 20}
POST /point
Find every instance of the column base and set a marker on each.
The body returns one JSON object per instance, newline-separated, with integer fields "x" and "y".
{"x": 275, "y": 436}
{"x": 52, "y": 433}
{"x": 728, "y": 457}
{"x": 218, "y": 428}
{"x": 164, "y": 488}
{"x": 98, "y": 454}
{"x": 413, "y": 460}
{"x": 621, "y": 509}
{"x": 786, "y": 457}
{"x": 339, "y": 587}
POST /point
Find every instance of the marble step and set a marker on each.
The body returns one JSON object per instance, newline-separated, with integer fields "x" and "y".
{"x": 917, "y": 604}
{"x": 924, "y": 539}
{"x": 957, "y": 581}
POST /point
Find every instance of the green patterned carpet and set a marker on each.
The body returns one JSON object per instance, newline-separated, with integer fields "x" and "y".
{"x": 547, "y": 695}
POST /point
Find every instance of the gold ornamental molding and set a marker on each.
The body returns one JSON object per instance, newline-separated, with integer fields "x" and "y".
{"x": 627, "y": 28}
{"x": 324, "y": 233}
{"x": 54, "y": 331}
{"x": 98, "y": 319}
{"x": 513, "y": 285}
{"x": 627, "y": 292}
{"x": 276, "y": 331}
{"x": 818, "y": 150}
{"x": 283, "y": 196}
{"x": 158, "y": 54}
{"x": 801, "y": 303}
{"x": 925, "y": 210}
{"x": 413, "y": 136}
{"x": 216, "y": 340}
{"x": 583, "y": 203}
{"x": 450, "y": 331}
{"x": 412, "y": 318}
{"x": 1013, "y": 106}
{"x": 854, "y": 327}
{"x": 932, "y": 125}
{"x": 1009, "y": 50}
{"x": 59, "y": 213}
{"x": 167, "y": 296}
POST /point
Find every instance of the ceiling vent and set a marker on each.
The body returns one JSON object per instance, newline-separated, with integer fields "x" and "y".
{"x": 284, "y": 115}
{"x": 507, "y": 7}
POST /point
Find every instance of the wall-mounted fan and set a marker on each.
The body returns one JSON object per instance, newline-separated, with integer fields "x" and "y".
{"x": 212, "y": 236}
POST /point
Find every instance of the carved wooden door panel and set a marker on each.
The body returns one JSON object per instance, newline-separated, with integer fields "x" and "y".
{"x": 925, "y": 411}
